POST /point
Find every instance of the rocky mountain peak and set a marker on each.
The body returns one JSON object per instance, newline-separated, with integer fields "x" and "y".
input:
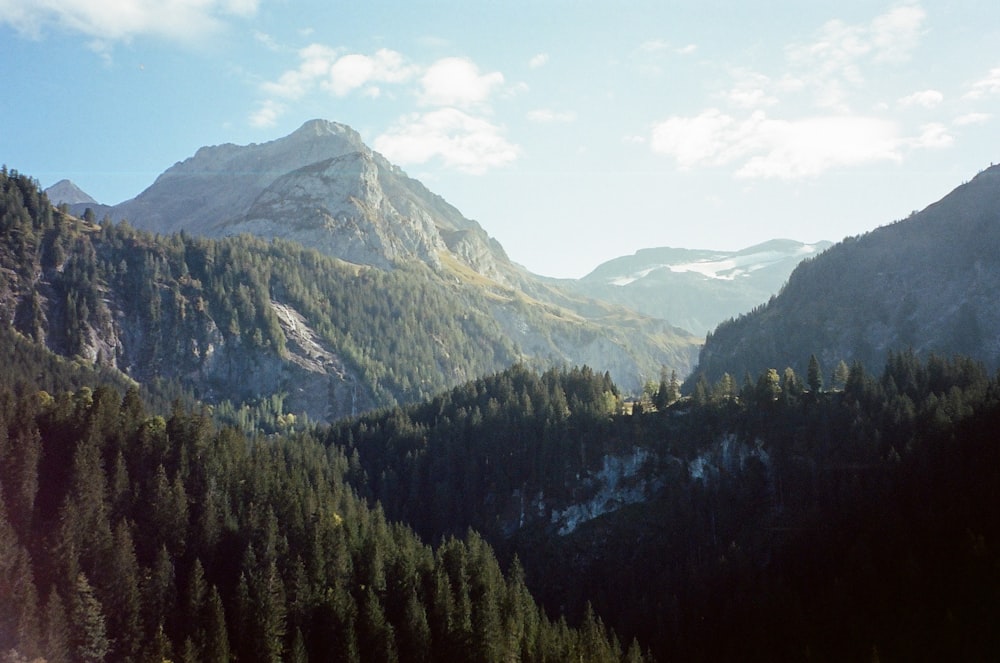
{"x": 317, "y": 128}
{"x": 65, "y": 191}
{"x": 322, "y": 186}
{"x": 339, "y": 207}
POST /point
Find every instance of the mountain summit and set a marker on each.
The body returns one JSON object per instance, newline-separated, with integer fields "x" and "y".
{"x": 65, "y": 191}
{"x": 320, "y": 186}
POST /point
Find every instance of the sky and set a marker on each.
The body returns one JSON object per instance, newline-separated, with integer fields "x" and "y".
{"x": 573, "y": 132}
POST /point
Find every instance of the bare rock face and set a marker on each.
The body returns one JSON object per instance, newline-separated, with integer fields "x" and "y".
{"x": 64, "y": 191}
{"x": 338, "y": 207}
{"x": 221, "y": 182}
{"x": 320, "y": 186}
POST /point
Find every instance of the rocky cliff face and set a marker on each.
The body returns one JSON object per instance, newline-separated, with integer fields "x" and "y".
{"x": 339, "y": 207}
{"x": 221, "y": 182}
{"x": 173, "y": 335}
{"x": 323, "y": 187}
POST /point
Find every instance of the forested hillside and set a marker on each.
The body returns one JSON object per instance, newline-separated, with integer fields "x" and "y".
{"x": 926, "y": 282}
{"x": 272, "y": 327}
{"x": 779, "y": 520}
{"x": 129, "y": 537}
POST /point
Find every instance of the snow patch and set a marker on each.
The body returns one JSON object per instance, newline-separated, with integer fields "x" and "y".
{"x": 723, "y": 268}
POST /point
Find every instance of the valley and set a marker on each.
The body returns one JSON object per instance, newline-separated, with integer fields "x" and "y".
{"x": 324, "y": 416}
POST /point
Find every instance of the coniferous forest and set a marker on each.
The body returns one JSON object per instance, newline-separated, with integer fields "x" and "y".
{"x": 852, "y": 513}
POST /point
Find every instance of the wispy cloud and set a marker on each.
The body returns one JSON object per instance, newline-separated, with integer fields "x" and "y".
{"x": 972, "y": 118}
{"x": 799, "y": 122}
{"x": 987, "y": 86}
{"x": 538, "y": 60}
{"x": 651, "y": 56}
{"x": 266, "y": 114}
{"x": 752, "y": 90}
{"x": 763, "y": 147}
{"x": 108, "y": 22}
{"x": 831, "y": 64}
{"x": 547, "y": 115}
{"x": 269, "y": 42}
{"x": 461, "y": 141}
{"x": 924, "y": 98}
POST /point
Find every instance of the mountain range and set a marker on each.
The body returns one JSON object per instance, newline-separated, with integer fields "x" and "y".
{"x": 779, "y": 520}
{"x": 695, "y": 288}
{"x": 409, "y": 298}
{"x": 920, "y": 283}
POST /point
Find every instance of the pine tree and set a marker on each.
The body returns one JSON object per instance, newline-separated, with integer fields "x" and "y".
{"x": 57, "y": 636}
{"x": 814, "y": 375}
{"x": 216, "y": 645}
{"x": 90, "y": 637}
{"x": 123, "y": 612}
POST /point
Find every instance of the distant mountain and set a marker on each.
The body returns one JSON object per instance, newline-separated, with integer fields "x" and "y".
{"x": 927, "y": 282}
{"x": 279, "y": 326}
{"x": 697, "y": 289}
{"x": 64, "y": 191}
{"x": 323, "y": 188}
{"x": 320, "y": 186}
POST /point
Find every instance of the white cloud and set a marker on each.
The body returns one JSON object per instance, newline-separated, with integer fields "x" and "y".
{"x": 269, "y": 42}
{"x": 112, "y": 21}
{"x": 832, "y": 63}
{"x": 539, "y": 60}
{"x": 687, "y": 49}
{"x": 355, "y": 70}
{"x": 459, "y": 140}
{"x": 654, "y": 46}
{"x": 972, "y": 118}
{"x": 924, "y": 98}
{"x": 267, "y": 114}
{"x": 325, "y": 68}
{"x": 762, "y": 147}
{"x": 457, "y": 82}
{"x": 988, "y": 85}
{"x": 696, "y": 140}
{"x": 547, "y": 115}
{"x": 315, "y": 63}
{"x": 932, "y": 135}
{"x": 895, "y": 34}
{"x": 751, "y": 91}
{"x": 452, "y": 134}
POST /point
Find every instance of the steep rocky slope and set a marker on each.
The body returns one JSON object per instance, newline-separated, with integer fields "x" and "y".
{"x": 927, "y": 283}
{"x": 320, "y": 186}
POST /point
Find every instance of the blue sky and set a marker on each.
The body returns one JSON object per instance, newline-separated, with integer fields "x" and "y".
{"x": 574, "y": 132}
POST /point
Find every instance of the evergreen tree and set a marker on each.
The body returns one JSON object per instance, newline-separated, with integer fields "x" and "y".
{"x": 58, "y": 635}
{"x": 91, "y": 643}
{"x": 814, "y": 375}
